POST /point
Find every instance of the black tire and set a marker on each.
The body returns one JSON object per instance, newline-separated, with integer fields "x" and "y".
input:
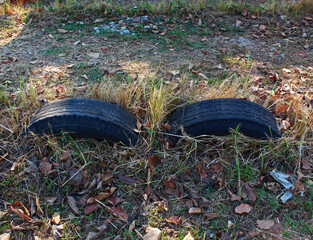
{"x": 88, "y": 118}
{"x": 218, "y": 116}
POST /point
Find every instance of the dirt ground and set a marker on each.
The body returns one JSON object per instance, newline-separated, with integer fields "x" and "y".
{"x": 64, "y": 56}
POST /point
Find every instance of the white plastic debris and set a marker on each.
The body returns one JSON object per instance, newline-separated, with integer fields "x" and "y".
{"x": 282, "y": 179}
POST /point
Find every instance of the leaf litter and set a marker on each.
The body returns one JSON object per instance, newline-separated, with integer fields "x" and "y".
{"x": 203, "y": 185}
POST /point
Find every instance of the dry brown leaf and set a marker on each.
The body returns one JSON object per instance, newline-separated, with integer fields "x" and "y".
{"x": 102, "y": 195}
{"x": 154, "y": 161}
{"x": 98, "y": 20}
{"x": 114, "y": 200}
{"x": 174, "y": 219}
{"x": 243, "y": 208}
{"x": 91, "y": 208}
{"x": 72, "y": 202}
{"x": 107, "y": 176}
{"x": 248, "y": 193}
{"x": 210, "y": 216}
{"x": 167, "y": 126}
{"x": 5, "y": 236}
{"x": 285, "y": 124}
{"x": 233, "y": 197}
{"x": 132, "y": 226}
{"x": 49, "y": 200}
{"x": 119, "y": 213}
{"x": 307, "y": 164}
{"x": 171, "y": 191}
{"x": 202, "y": 172}
{"x": 195, "y": 210}
{"x": 253, "y": 233}
{"x": 128, "y": 180}
{"x": 45, "y": 167}
{"x": 76, "y": 176}
{"x": 65, "y": 155}
{"x": 152, "y": 234}
{"x": 19, "y": 209}
{"x": 188, "y": 237}
{"x": 244, "y": 12}
{"x": 299, "y": 187}
{"x": 265, "y": 224}
{"x": 56, "y": 218}
{"x": 163, "y": 205}
{"x": 262, "y": 28}
{"x": 170, "y": 182}
{"x": 203, "y": 202}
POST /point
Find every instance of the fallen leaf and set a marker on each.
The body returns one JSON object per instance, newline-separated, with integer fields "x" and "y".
{"x": 238, "y": 23}
{"x": 210, "y": 216}
{"x": 299, "y": 187}
{"x": 132, "y": 226}
{"x": 230, "y": 224}
{"x": 244, "y": 12}
{"x": 233, "y": 197}
{"x": 19, "y": 209}
{"x": 174, "y": 219}
{"x": 49, "y": 200}
{"x": 203, "y": 202}
{"x": 286, "y": 70}
{"x": 76, "y": 176}
{"x": 107, "y": 176}
{"x": 262, "y": 28}
{"x": 45, "y": 167}
{"x": 253, "y": 233}
{"x": 195, "y": 210}
{"x": 62, "y": 30}
{"x": 285, "y": 124}
{"x": 243, "y": 208}
{"x": 128, "y": 180}
{"x": 291, "y": 204}
{"x": 98, "y": 20}
{"x": 114, "y": 200}
{"x": 202, "y": 172}
{"x": 203, "y": 76}
{"x": 248, "y": 193}
{"x": 215, "y": 167}
{"x": 5, "y": 236}
{"x": 163, "y": 205}
{"x": 91, "y": 208}
{"x": 171, "y": 191}
{"x": 94, "y": 55}
{"x": 167, "y": 126}
{"x": 102, "y": 195}
{"x": 306, "y": 164}
{"x": 56, "y": 218}
{"x": 72, "y": 202}
{"x": 119, "y": 213}
{"x": 170, "y": 182}
{"x": 3, "y": 214}
{"x": 154, "y": 161}
{"x": 188, "y": 237}
{"x": 152, "y": 234}
{"x": 265, "y": 224}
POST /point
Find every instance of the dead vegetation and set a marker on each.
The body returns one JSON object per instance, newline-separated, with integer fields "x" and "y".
{"x": 213, "y": 187}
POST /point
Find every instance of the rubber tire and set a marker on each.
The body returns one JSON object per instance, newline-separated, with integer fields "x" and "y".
{"x": 218, "y": 116}
{"x": 87, "y": 118}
